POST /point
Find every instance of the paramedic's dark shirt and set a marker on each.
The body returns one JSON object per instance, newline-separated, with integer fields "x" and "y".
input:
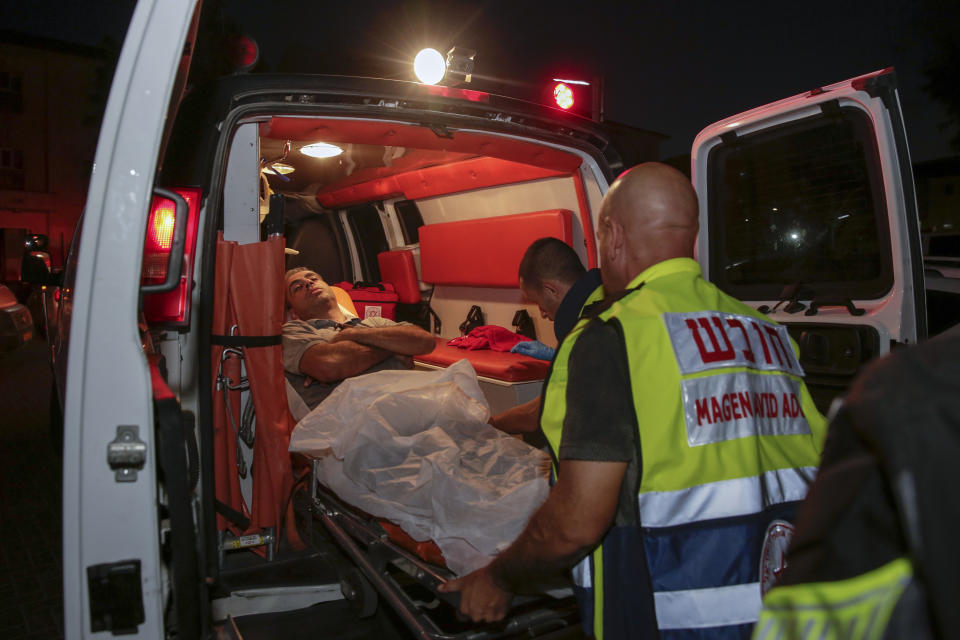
{"x": 569, "y": 310}
{"x": 601, "y": 424}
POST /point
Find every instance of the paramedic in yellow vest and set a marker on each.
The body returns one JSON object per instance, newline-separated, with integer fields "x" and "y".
{"x": 552, "y": 277}
{"x": 683, "y": 439}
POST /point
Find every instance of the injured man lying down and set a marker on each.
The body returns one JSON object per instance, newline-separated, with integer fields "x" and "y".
{"x": 323, "y": 343}
{"x": 413, "y": 447}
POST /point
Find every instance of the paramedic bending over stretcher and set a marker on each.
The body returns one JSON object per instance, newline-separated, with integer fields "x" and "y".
{"x": 552, "y": 277}
{"x": 323, "y": 345}
{"x": 683, "y": 433}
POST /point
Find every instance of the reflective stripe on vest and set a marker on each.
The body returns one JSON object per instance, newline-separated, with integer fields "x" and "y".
{"x": 736, "y": 604}
{"x": 725, "y": 498}
{"x": 728, "y": 432}
{"x": 581, "y": 574}
{"x": 858, "y": 608}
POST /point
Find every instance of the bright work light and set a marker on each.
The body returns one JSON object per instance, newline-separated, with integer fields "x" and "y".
{"x": 429, "y": 66}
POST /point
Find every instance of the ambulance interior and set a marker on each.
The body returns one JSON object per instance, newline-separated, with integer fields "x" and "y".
{"x": 439, "y": 200}
{"x": 389, "y": 179}
{"x": 443, "y": 216}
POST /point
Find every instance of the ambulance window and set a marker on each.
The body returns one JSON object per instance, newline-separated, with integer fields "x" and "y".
{"x": 800, "y": 203}
{"x": 410, "y": 220}
{"x": 318, "y": 241}
{"x": 370, "y": 237}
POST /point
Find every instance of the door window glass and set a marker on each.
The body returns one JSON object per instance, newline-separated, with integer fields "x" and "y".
{"x": 410, "y": 220}
{"x": 370, "y": 237}
{"x": 801, "y": 203}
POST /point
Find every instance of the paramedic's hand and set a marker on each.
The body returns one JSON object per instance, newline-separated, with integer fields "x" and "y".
{"x": 534, "y": 349}
{"x": 481, "y": 598}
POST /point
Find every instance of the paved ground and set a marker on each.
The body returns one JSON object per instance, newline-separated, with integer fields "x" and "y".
{"x": 30, "y": 555}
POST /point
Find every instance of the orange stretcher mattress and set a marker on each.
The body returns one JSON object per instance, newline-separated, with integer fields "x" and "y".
{"x": 427, "y": 551}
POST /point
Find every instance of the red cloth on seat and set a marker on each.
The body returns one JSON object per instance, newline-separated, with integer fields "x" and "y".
{"x": 508, "y": 367}
{"x": 489, "y": 336}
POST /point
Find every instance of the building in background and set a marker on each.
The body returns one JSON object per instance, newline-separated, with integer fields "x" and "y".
{"x": 52, "y": 96}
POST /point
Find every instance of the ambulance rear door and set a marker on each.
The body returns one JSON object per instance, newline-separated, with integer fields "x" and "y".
{"x": 114, "y": 580}
{"x": 808, "y": 213}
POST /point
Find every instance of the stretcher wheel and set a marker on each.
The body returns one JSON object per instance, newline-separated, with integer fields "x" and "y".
{"x": 359, "y": 592}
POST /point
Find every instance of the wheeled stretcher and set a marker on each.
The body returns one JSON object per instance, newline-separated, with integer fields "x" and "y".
{"x": 389, "y": 573}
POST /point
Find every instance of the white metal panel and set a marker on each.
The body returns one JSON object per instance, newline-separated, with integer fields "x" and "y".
{"x": 241, "y": 187}
{"x": 894, "y": 315}
{"x": 524, "y": 197}
{"x": 108, "y": 381}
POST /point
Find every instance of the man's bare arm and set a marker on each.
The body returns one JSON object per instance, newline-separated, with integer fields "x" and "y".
{"x": 577, "y": 514}
{"x": 580, "y": 509}
{"x": 401, "y": 339}
{"x": 334, "y": 361}
{"x": 522, "y": 418}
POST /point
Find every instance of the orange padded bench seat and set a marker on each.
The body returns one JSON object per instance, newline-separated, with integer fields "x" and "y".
{"x": 486, "y": 252}
{"x": 499, "y": 365}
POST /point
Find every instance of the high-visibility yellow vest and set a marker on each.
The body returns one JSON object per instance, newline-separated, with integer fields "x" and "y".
{"x": 730, "y": 440}
{"x": 857, "y": 608}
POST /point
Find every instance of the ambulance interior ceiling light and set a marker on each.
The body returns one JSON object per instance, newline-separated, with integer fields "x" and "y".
{"x": 321, "y": 150}
{"x": 429, "y": 66}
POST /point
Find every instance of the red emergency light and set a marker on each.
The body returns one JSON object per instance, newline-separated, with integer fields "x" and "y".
{"x": 244, "y": 53}
{"x": 563, "y": 95}
{"x": 171, "y": 307}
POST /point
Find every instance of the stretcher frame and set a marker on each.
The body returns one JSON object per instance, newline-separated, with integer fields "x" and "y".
{"x": 381, "y": 561}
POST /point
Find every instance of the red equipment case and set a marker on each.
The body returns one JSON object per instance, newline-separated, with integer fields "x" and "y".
{"x": 372, "y": 299}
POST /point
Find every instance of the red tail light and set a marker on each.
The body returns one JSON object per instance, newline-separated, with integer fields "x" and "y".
{"x": 172, "y": 307}
{"x": 156, "y": 249}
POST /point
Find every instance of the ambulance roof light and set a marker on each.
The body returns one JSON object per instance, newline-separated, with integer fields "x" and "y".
{"x": 563, "y": 95}
{"x": 429, "y": 66}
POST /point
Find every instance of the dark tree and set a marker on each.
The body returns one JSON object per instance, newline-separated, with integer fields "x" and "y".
{"x": 943, "y": 66}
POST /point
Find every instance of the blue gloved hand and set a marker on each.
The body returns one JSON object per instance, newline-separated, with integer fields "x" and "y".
{"x": 534, "y": 349}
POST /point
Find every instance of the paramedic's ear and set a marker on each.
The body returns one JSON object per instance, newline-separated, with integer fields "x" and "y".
{"x": 615, "y": 238}
{"x": 551, "y": 288}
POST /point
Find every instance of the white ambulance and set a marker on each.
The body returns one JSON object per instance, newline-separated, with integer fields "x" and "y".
{"x": 807, "y": 211}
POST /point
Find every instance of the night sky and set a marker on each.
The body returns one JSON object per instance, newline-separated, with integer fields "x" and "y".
{"x": 671, "y": 67}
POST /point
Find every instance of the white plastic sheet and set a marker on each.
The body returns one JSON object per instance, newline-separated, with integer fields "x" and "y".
{"x": 415, "y": 447}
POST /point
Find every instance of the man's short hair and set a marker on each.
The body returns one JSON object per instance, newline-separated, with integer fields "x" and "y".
{"x": 294, "y": 270}
{"x": 550, "y": 259}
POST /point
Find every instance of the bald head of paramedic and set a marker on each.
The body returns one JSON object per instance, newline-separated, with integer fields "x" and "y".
{"x": 552, "y": 277}
{"x": 701, "y": 482}
{"x": 322, "y": 343}
{"x": 648, "y": 216}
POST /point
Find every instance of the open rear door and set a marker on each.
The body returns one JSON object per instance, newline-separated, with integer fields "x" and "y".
{"x": 807, "y": 209}
{"x": 122, "y": 425}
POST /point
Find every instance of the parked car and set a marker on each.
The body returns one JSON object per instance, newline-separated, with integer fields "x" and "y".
{"x": 16, "y": 323}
